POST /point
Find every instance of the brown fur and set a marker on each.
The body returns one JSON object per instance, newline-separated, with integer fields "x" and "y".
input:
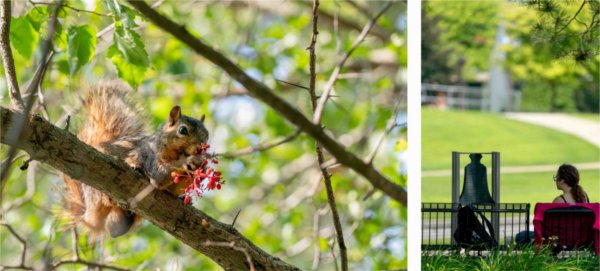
{"x": 114, "y": 126}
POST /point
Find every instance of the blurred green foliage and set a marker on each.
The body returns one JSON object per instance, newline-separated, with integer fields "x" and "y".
{"x": 459, "y": 37}
{"x": 278, "y": 191}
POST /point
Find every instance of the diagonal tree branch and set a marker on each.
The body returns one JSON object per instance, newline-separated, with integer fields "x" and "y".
{"x": 62, "y": 150}
{"x": 266, "y": 95}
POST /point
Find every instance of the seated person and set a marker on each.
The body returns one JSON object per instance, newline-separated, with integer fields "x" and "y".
{"x": 567, "y": 180}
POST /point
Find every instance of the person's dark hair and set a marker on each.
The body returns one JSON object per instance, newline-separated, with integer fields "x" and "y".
{"x": 570, "y": 175}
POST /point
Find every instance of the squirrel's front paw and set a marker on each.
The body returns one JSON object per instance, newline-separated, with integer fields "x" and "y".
{"x": 134, "y": 165}
{"x": 138, "y": 169}
{"x": 193, "y": 162}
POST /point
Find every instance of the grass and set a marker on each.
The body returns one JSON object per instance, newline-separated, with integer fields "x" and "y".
{"x": 515, "y": 188}
{"x": 519, "y": 143}
{"x": 588, "y": 116}
{"x": 526, "y": 259}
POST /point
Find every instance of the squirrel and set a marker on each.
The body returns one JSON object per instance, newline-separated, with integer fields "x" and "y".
{"x": 115, "y": 126}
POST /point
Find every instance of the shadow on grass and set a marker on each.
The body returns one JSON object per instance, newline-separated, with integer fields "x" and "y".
{"x": 521, "y": 258}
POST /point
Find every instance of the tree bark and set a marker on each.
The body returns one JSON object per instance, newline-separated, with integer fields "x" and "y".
{"x": 63, "y": 151}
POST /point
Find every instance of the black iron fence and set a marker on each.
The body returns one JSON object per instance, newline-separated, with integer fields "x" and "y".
{"x": 440, "y": 222}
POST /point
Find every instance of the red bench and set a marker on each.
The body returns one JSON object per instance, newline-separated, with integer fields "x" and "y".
{"x": 570, "y": 226}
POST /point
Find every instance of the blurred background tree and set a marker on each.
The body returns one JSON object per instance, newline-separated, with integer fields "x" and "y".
{"x": 550, "y": 48}
{"x": 278, "y": 193}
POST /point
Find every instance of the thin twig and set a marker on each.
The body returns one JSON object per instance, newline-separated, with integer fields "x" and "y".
{"x": 331, "y": 245}
{"x": 259, "y": 148}
{"x": 571, "y": 20}
{"x": 289, "y": 83}
{"x": 31, "y": 176}
{"x": 7, "y": 56}
{"x": 231, "y": 245}
{"x": 23, "y": 245}
{"x": 317, "y": 246}
{"x": 67, "y": 123}
{"x": 340, "y": 65}
{"x": 392, "y": 123}
{"x": 88, "y": 264}
{"x": 235, "y": 218}
{"x": 70, "y": 7}
{"x": 320, "y": 156}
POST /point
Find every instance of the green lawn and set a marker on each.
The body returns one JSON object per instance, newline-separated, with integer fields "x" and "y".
{"x": 588, "y": 116}
{"x": 515, "y": 188}
{"x": 519, "y": 143}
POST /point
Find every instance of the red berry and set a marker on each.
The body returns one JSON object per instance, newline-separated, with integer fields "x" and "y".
{"x": 215, "y": 161}
{"x": 219, "y": 186}
{"x": 217, "y": 173}
{"x": 176, "y": 180}
{"x": 187, "y": 199}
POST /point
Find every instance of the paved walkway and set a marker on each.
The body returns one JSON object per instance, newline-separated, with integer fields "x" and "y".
{"x": 516, "y": 169}
{"x": 585, "y": 129}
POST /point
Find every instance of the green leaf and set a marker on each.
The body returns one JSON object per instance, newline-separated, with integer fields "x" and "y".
{"x": 37, "y": 16}
{"x": 23, "y": 36}
{"x": 60, "y": 37}
{"x": 130, "y": 46}
{"x": 81, "y": 46}
{"x": 114, "y": 7}
{"x": 132, "y": 74}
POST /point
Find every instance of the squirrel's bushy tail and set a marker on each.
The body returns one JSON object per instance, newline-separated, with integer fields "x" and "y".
{"x": 112, "y": 118}
{"x": 111, "y": 114}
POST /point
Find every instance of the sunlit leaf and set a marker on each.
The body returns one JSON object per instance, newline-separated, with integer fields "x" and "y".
{"x": 81, "y": 46}
{"x": 23, "y": 36}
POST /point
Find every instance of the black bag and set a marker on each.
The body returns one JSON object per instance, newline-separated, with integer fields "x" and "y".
{"x": 470, "y": 232}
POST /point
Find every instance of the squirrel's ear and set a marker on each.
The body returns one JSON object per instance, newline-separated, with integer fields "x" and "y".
{"x": 202, "y": 118}
{"x": 175, "y": 115}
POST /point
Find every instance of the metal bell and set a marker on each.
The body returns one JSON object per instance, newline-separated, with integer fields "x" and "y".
{"x": 475, "y": 186}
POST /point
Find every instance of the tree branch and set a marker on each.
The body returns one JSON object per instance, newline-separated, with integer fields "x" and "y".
{"x": 23, "y": 246}
{"x": 7, "y": 56}
{"x": 320, "y": 157}
{"x": 63, "y": 151}
{"x": 264, "y": 147}
{"x": 263, "y": 93}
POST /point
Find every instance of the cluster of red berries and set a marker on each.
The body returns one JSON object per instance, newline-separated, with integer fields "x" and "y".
{"x": 204, "y": 178}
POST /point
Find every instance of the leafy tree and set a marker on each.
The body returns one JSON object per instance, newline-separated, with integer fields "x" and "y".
{"x": 569, "y": 28}
{"x": 466, "y": 36}
{"x": 274, "y": 194}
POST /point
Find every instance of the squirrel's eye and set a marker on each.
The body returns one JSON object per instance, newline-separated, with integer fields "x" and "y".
{"x": 183, "y": 130}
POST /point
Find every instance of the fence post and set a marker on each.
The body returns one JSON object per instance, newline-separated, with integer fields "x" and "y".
{"x": 455, "y": 191}
{"x": 496, "y": 193}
